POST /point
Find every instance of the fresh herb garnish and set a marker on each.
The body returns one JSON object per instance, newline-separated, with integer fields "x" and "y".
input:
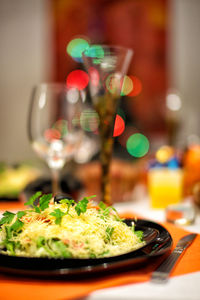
{"x": 102, "y": 205}
{"x": 109, "y": 232}
{"x": 20, "y": 214}
{"x": 10, "y": 247}
{"x": 17, "y": 225}
{"x": 11, "y": 231}
{"x": 43, "y": 201}
{"x": 32, "y": 199}
{"x": 40, "y": 241}
{"x": 69, "y": 203}
{"x": 7, "y": 217}
{"x": 116, "y": 215}
{"x": 92, "y": 255}
{"x": 60, "y": 249}
{"x": 8, "y": 232}
{"x": 58, "y": 214}
{"x": 139, "y": 234}
{"x": 105, "y": 211}
{"x": 81, "y": 206}
{"x": 105, "y": 253}
{"x": 54, "y": 247}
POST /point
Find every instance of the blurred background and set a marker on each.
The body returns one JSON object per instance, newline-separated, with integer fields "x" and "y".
{"x": 164, "y": 35}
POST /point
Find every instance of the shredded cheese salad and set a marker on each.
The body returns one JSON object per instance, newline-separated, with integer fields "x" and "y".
{"x": 66, "y": 230}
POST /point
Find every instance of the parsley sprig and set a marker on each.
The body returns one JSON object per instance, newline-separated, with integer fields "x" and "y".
{"x": 43, "y": 201}
{"x": 81, "y": 206}
{"x": 69, "y": 202}
{"x": 7, "y": 217}
{"x": 58, "y": 214}
{"x": 12, "y": 229}
{"x": 32, "y": 200}
{"x": 105, "y": 211}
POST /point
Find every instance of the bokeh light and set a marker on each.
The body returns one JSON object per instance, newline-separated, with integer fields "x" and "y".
{"x": 73, "y": 95}
{"x": 89, "y": 120}
{"x": 119, "y": 126}
{"x": 62, "y": 127}
{"x": 126, "y": 85}
{"x": 122, "y": 114}
{"x": 113, "y": 83}
{"x": 95, "y": 51}
{"x": 137, "y": 86}
{"x": 52, "y": 134}
{"x": 94, "y": 76}
{"x": 164, "y": 154}
{"x": 173, "y": 101}
{"x": 77, "y": 79}
{"x": 76, "y": 47}
{"x": 137, "y": 145}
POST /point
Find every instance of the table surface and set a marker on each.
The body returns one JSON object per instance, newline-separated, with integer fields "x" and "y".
{"x": 185, "y": 287}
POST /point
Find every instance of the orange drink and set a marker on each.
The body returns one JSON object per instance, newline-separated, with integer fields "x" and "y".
{"x": 165, "y": 186}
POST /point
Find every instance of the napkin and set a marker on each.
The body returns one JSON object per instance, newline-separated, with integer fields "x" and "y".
{"x": 18, "y": 288}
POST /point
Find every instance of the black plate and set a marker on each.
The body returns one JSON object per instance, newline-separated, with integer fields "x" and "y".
{"x": 158, "y": 242}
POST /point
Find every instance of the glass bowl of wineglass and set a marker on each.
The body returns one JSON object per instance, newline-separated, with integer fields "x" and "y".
{"x": 54, "y": 126}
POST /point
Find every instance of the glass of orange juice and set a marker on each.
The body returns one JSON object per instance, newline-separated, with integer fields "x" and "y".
{"x": 165, "y": 186}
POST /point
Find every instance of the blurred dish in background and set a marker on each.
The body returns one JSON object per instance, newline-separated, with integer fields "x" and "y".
{"x": 124, "y": 177}
{"x": 70, "y": 186}
{"x": 14, "y": 179}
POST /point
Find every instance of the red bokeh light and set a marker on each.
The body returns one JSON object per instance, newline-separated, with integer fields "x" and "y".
{"x": 77, "y": 79}
{"x": 52, "y": 134}
{"x": 119, "y": 126}
{"x": 137, "y": 86}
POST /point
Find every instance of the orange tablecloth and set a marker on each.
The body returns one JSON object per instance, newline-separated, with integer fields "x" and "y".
{"x": 27, "y": 288}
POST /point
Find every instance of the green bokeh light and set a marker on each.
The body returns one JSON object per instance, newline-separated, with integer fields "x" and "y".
{"x": 95, "y": 51}
{"x": 89, "y": 120}
{"x": 76, "y": 47}
{"x": 137, "y": 145}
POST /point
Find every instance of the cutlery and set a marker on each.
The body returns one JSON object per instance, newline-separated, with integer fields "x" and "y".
{"x": 161, "y": 274}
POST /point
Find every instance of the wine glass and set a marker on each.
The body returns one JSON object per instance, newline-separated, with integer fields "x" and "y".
{"x": 54, "y": 126}
{"x": 107, "y": 66}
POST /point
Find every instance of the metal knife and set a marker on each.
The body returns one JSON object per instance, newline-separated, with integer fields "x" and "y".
{"x": 161, "y": 274}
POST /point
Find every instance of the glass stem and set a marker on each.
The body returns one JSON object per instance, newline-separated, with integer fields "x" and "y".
{"x": 55, "y": 181}
{"x": 105, "y": 158}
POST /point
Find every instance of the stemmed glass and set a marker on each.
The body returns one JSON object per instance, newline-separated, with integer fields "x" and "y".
{"x": 54, "y": 127}
{"x": 107, "y": 66}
